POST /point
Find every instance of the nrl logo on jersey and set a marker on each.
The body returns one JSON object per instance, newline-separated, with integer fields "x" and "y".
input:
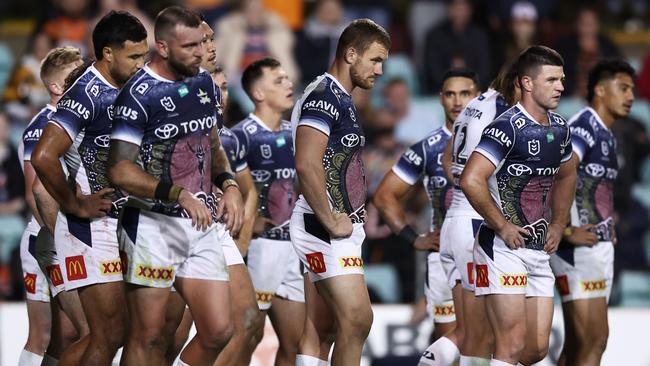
{"x": 168, "y": 104}
{"x": 604, "y": 148}
{"x": 266, "y": 151}
{"x": 533, "y": 147}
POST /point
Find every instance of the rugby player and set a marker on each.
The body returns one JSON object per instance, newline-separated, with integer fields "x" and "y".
{"x": 45, "y": 319}
{"x": 521, "y": 180}
{"x": 327, "y": 222}
{"x": 584, "y": 264}
{"x": 424, "y": 159}
{"x": 265, "y": 149}
{"x": 85, "y": 232}
{"x": 462, "y": 221}
{"x": 166, "y": 119}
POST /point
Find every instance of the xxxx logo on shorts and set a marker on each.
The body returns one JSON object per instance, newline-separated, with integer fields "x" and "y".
{"x": 30, "y": 282}
{"x": 108, "y": 268}
{"x": 470, "y": 272}
{"x": 444, "y": 310}
{"x": 482, "y": 276}
{"x": 562, "y": 284}
{"x": 264, "y": 297}
{"x": 514, "y": 280}
{"x": 54, "y": 274}
{"x": 316, "y": 262}
{"x": 154, "y": 273}
{"x": 588, "y": 286}
{"x": 351, "y": 262}
{"x": 76, "y": 267}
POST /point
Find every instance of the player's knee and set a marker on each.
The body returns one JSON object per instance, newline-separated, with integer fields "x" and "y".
{"x": 357, "y": 324}
{"x": 598, "y": 341}
{"x": 216, "y": 335}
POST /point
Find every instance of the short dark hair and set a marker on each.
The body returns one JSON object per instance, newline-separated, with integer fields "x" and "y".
{"x": 604, "y": 70}
{"x": 460, "y": 72}
{"x": 360, "y": 34}
{"x": 115, "y": 28}
{"x": 255, "y": 71}
{"x": 172, "y": 16}
{"x": 533, "y": 57}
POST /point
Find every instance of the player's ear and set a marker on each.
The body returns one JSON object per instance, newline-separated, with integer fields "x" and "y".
{"x": 599, "y": 90}
{"x": 526, "y": 83}
{"x": 107, "y": 54}
{"x": 258, "y": 95}
{"x": 55, "y": 88}
{"x": 350, "y": 55}
{"x": 162, "y": 48}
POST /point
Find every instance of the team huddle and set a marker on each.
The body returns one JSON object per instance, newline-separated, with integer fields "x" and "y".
{"x": 149, "y": 215}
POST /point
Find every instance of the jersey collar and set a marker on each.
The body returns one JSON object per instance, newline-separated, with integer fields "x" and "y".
{"x": 155, "y": 75}
{"x": 259, "y": 122}
{"x": 331, "y": 77}
{"x": 446, "y": 130}
{"x": 100, "y": 76}
{"x": 525, "y": 112}
{"x": 597, "y": 117}
{"x": 50, "y": 107}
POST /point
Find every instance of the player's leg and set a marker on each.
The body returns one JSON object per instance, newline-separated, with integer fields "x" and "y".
{"x": 63, "y": 333}
{"x": 507, "y": 316}
{"x": 319, "y": 329}
{"x": 587, "y": 321}
{"x": 478, "y": 344}
{"x": 539, "y": 318}
{"x": 448, "y": 335}
{"x": 38, "y": 338}
{"x": 283, "y": 315}
{"x": 178, "y": 322}
{"x": 248, "y": 323}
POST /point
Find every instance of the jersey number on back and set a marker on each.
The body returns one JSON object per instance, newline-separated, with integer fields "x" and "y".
{"x": 458, "y": 156}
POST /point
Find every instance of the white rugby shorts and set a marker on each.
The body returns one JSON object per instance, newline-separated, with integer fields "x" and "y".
{"x": 457, "y": 249}
{"x": 36, "y": 286}
{"x": 440, "y": 304}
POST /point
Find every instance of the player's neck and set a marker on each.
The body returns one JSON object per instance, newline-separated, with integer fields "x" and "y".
{"x": 268, "y": 116}
{"x": 104, "y": 69}
{"x": 449, "y": 123}
{"x": 161, "y": 67}
{"x": 341, "y": 73}
{"x": 605, "y": 115}
{"x": 539, "y": 113}
{"x": 54, "y": 99}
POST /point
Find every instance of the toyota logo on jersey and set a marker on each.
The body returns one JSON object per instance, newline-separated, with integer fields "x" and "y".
{"x": 350, "y": 140}
{"x": 166, "y": 132}
{"x": 103, "y": 140}
{"x": 595, "y": 170}
{"x": 260, "y": 175}
{"x": 519, "y": 169}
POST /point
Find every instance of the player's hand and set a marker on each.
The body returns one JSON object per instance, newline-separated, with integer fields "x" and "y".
{"x": 583, "y": 235}
{"x": 92, "y": 206}
{"x": 553, "y": 237}
{"x": 261, "y": 224}
{"x": 230, "y": 210}
{"x": 513, "y": 235}
{"x": 428, "y": 241}
{"x": 341, "y": 226}
{"x": 198, "y": 211}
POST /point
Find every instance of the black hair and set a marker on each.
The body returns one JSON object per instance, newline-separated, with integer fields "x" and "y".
{"x": 530, "y": 60}
{"x": 255, "y": 71}
{"x": 461, "y": 72}
{"x": 360, "y": 35}
{"x": 114, "y": 29}
{"x": 504, "y": 83}
{"x": 172, "y": 16}
{"x": 604, "y": 70}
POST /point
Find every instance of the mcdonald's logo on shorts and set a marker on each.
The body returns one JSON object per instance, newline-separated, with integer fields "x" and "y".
{"x": 351, "y": 262}
{"x": 30, "y": 282}
{"x": 76, "y": 267}
{"x": 482, "y": 276}
{"x": 470, "y": 272}
{"x": 54, "y": 274}
{"x": 316, "y": 262}
{"x": 562, "y": 284}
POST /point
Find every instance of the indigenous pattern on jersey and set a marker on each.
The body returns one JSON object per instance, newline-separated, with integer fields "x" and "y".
{"x": 527, "y": 155}
{"x": 327, "y": 107}
{"x": 424, "y": 158}
{"x": 468, "y": 128}
{"x": 86, "y": 113}
{"x": 172, "y": 122}
{"x": 596, "y": 147}
{"x": 269, "y": 156}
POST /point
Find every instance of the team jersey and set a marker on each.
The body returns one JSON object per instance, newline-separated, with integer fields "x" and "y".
{"x": 424, "y": 158}
{"x": 230, "y": 145}
{"x": 327, "y": 107}
{"x": 468, "y": 128}
{"x": 31, "y": 135}
{"x": 595, "y": 146}
{"x": 85, "y": 112}
{"x": 269, "y": 156}
{"x": 172, "y": 122}
{"x": 527, "y": 155}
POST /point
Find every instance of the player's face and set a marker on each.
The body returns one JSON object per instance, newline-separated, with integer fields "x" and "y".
{"x": 185, "y": 50}
{"x": 277, "y": 88}
{"x": 210, "y": 57}
{"x": 547, "y": 87}
{"x": 368, "y": 66}
{"x": 455, "y": 94}
{"x": 127, "y": 60}
{"x": 220, "y": 80}
{"x": 618, "y": 94}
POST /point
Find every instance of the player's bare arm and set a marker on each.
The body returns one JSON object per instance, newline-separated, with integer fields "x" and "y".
{"x": 231, "y": 207}
{"x": 126, "y": 174}
{"x": 474, "y": 184}
{"x": 46, "y": 206}
{"x": 30, "y": 177}
{"x": 310, "y": 148}
{"x": 54, "y": 143}
{"x": 387, "y": 198}
{"x": 446, "y": 159}
{"x": 247, "y": 187}
{"x": 562, "y": 194}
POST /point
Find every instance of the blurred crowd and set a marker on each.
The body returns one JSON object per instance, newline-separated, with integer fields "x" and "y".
{"x": 428, "y": 37}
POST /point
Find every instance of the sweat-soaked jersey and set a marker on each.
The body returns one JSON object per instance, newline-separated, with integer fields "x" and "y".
{"x": 172, "y": 122}
{"x": 424, "y": 158}
{"x": 527, "y": 155}
{"x": 595, "y": 146}
{"x": 269, "y": 156}
{"x": 327, "y": 107}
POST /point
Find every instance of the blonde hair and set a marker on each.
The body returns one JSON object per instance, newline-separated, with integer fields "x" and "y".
{"x": 55, "y": 60}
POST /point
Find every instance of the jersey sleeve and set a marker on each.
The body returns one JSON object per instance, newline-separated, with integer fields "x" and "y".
{"x": 128, "y": 127}
{"x": 567, "y": 147}
{"x": 410, "y": 165}
{"x": 240, "y": 161}
{"x": 31, "y": 135}
{"x": 75, "y": 110}
{"x": 496, "y": 141}
{"x": 582, "y": 137}
{"x": 320, "y": 110}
